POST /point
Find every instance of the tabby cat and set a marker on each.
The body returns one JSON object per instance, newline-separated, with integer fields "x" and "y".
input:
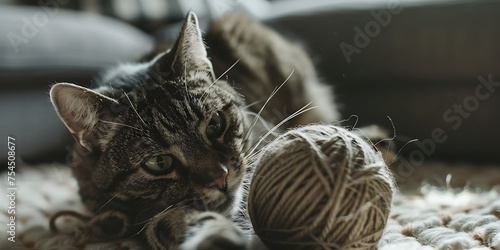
{"x": 163, "y": 146}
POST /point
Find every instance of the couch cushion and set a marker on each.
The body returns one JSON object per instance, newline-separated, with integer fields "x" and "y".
{"x": 39, "y": 47}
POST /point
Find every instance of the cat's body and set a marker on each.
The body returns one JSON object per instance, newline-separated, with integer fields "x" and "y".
{"x": 163, "y": 146}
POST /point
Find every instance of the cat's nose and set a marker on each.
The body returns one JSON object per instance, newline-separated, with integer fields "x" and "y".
{"x": 220, "y": 181}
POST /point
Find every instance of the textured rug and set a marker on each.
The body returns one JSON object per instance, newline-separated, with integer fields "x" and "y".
{"x": 444, "y": 219}
{"x": 428, "y": 217}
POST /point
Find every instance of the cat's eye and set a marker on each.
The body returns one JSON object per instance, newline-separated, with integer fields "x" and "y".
{"x": 216, "y": 126}
{"x": 162, "y": 164}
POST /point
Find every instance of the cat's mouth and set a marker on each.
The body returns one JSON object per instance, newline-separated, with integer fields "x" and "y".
{"x": 217, "y": 199}
{"x": 220, "y": 204}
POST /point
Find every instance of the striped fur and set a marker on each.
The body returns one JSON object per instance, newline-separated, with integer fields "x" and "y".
{"x": 139, "y": 111}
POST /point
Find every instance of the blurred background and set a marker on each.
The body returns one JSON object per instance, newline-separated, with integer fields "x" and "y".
{"x": 433, "y": 67}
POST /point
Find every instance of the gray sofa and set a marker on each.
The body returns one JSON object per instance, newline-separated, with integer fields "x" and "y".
{"x": 70, "y": 47}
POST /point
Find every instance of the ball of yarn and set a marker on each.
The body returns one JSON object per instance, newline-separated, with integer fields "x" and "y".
{"x": 320, "y": 187}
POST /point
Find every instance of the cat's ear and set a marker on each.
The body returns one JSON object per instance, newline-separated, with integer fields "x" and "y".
{"x": 188, "y": 52}
{"x": 81, "y": 110}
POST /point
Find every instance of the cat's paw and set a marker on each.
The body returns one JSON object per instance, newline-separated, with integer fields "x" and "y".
{"x": 212, "y": 231}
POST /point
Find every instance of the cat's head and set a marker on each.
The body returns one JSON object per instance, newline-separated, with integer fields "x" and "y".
{"x": 158, "y": 134}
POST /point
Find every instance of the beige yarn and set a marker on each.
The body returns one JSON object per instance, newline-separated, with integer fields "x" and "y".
{"x": 320, "y": 187}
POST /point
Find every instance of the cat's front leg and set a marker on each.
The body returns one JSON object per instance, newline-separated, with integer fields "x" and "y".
{"x": 194, "y": 230}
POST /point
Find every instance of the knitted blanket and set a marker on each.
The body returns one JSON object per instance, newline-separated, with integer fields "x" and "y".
{"x": 431, "y": 218}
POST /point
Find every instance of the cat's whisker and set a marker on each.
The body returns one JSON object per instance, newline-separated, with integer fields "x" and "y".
{"x": 107, "y": 202}
{"x": 135, "y": 110}
{"x": 264, "y": 123}
{"x": 251, "y": 105}
{"x": 253, "y": 158}
{"x": 295, "y": 114}
{"x": 249, "y": 131}
{"x": 121, "y": 124}
{"x": 143, "y": 227}
{"x": 223, "y": 74}
{"x": 162, "y": 212}
{"x": 145, "y": 221}
{"x": 148, "y": 221}
{"x": 218, "y": 78}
